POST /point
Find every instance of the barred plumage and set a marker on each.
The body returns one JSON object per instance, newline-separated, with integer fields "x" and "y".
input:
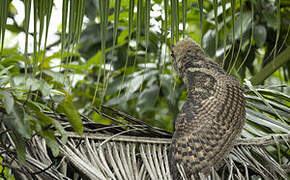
{"x": 212, "y": 116}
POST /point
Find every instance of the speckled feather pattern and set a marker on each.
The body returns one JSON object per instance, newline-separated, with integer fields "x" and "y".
{"x": 212, "y": 116}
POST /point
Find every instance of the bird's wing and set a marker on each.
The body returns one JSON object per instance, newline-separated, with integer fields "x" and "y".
{"x": 204, "y": 135}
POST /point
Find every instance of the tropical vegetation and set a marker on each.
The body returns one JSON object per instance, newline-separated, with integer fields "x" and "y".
{"x": 106, "y": 70}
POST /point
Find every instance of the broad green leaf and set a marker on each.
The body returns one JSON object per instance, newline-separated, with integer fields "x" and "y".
{"x": 20, "y": 147}
{"x": 17, "y": 121}
{"x": 100, "y": 119}
{"x": 137, "y": 80}
{"x": 122, "y": 100}
{"x": 209, "y": 42}
{"x": 72, "y": 114}
{"x": 45, "y": 88}
{"x": 44, "y": 119}
{"x": 135, "y": 84}
{"x": 92, "y": 9}
{"x": 211, "y": 14}
{"x": 114, "y": 85}
{"x": 271, "y": 19}
{"x": 58, "y": 77}
{"x": 51, "y": 141}
{"x": 96, "y": 59}
{"x": 147, "y": 99}
{"x": 260, "y": 35}
{"x": 167, "y": 89}
{"x": 243, "y": 21}
{"x": 5, "y": 70}
{"x": 46, "y": 61}
{"x": 13, "y": 28}
{"x": 8, "y": 101}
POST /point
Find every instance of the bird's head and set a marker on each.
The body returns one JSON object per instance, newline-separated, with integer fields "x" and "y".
{"x": 184, "y": 51}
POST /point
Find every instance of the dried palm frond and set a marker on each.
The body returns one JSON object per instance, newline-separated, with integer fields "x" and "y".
{"x": 135, "y": 150}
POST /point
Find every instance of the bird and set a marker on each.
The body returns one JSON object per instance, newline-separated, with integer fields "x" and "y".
{"x": 212, "y": 116}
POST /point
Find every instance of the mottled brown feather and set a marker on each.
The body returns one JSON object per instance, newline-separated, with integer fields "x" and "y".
{"x": 212, "y": 116}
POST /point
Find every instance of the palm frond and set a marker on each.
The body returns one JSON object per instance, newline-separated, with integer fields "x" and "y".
{"x": 131, "y": 149}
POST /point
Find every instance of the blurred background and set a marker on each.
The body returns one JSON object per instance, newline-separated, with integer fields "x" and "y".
{"x": 71, "y": 56}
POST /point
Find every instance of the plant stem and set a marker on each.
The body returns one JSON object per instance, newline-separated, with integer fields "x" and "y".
{"x": 271, "y": 67}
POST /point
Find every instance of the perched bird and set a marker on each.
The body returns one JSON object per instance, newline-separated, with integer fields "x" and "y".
{"x": 212, "y": 116}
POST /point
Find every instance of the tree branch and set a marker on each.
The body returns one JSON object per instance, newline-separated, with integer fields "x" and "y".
{"x": 271, "y": 67}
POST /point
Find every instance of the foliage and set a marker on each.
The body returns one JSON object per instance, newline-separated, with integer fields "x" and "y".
{"x": 119, "y": 56}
